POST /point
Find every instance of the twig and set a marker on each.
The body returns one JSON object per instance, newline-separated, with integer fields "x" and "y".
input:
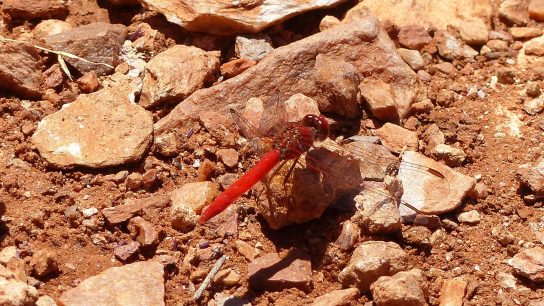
{"x": 210, "y": 277}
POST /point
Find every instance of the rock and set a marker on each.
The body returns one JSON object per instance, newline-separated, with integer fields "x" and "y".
{"x": 88, "y": 82}
{"x": 374, "y": 159}
{"x": 445, "y": 67}
{"x": 514, "y": 12}
{"x": 28, "y": 9}
{"x": 272, "y": 273}
{"x": 14, "y": 292}
{"x": 452, "y": 48}
{"x": 534, "y": 106}
{"x": 245, "y": 249}
{"x": 529, "y": 263}
{"x": 328, "y": 22}
{"x": 369, "y": 261}
{"x": 536, "y": 10}
{"x": 453, "y": 292}
{"x": 97, "y": 42}
{"x": 7, "y": 254}
{"x": 132, "y": 207}
{"x": 20, "y": 69}
{"x": 445, "y": 97}
{"x": 252, "y": 47}
{"x": 46, "y": 300}
{"x": 454, "y": 157}
{"x": 298, "y": 106}
{"x": 224, "y": 18}
{"x": 337, "y": 298}
{"x": 143, "y": 231}
{"x": 195, "y": 195}
{"x": 348, "y": 45}
{"x": 535, "y": 46}
{"x": 227, "y": 277}
{"x": 134, "y": 181}
{"x": 50, "y": 27}
{"x": 532, "y": 89}
{"x": 497, "y": 45}
{"x": 150, "y": 179}
{"x": 349, "y": 236}
{"x": 379, "y": 213}
{"x": 127, "y": 251}
{"x": 433, "y": 136}
{"x": 97, "y": 130}
{"x": 412, "y": 58}
{"x": 44, "y": 263}
{"x": 417, "y": 235}
{"x": 500, "y": 35}
{"x": 403, "y": 288}
{"x": 435, "y": 191}
{"x": 531, "y": 176}
{"x": 174, "y": 74}
{"x": 53, "y": 77}
{"x": 379, "y": 99}
{"x": 395, "y": 138}
{"x": 424, "y": 106}
{"x": 480, "y": 191}
{"x": 524, "y": 33}
{"x": 414, "y": 37}
{"x": 337, "y": 83}
{"x": 182, "y": 217}
{"x": 140, "y": 283}
{"x": 471, "y": 18}
{"x": 506, "y": 76}
{"x": 167, "y": 145}
{"x": 470, "y": 217}
{"x": 229, "y": 157}
{"x": 235, "y": 67}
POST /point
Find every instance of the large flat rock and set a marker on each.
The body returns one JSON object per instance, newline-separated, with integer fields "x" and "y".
{"x": 228, "y": 17}
{"x": 97, "y": 130}
{"x": 20, "y": 69}
{"x": 140, "y": 283}
{"x": 290, "y": 70}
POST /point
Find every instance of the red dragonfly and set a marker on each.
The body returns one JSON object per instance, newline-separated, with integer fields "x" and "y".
{"x": 292, "y": 139}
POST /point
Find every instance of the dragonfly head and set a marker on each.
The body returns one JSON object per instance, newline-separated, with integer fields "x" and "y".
{"x": 319, "y": 124}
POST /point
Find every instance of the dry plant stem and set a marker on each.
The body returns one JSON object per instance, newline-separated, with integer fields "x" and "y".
{"x": 210, "y": 277}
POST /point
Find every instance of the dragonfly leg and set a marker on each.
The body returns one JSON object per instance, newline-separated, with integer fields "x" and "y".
{"x": 290, "y": 170}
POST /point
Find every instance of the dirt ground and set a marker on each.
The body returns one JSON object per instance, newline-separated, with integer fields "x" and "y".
{"x": 37, "y": 196}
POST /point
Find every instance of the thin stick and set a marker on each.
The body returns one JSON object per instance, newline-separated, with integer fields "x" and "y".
{"x": 210, "y": 277}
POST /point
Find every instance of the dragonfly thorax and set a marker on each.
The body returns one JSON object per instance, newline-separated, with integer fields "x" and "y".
{"x": 294, "y": 140}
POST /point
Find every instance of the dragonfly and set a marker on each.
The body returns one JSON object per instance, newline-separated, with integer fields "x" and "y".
{"x": 287, "y": 142}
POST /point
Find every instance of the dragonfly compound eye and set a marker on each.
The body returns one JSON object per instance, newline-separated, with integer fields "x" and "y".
{"x": 319, "y": 123}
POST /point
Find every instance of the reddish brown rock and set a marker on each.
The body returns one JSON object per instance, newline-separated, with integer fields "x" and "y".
{"x": 349, "y": 41}
{"x": 88, "y": 82}
{"x": 195, "y": 195}
{"x": 219, "y": 17}
{"x": 379, "y": 99}
{"x": 143, "y": 231}
{"x": 349, "y": 236}
{"x": 97, "y": 130}
{"x": 132, "y": 207}
{"x": 395, "y": 138}
{"x": 524, "y": 33}
{"x": 140, "y": 283}
{"x": 403, "y": 288}
{"x": 270, "y": 272}
{"x": 30, "y": 9}
{"x": 452, "y": 48}
{"x": 127, "y": 251}
{"x": 20, "y": 69}
{"x": 453, "y": 292}
{"x": 471, "y": 17}
{"x": 53, "y": 77}
{"x": 50, "y": 27}
{"x": 453, "y": 156}
{"x": 414, "y": 37}
{"x": 235, "y": 67}
{"x": 536, "y": 10}
{"x": 337, "y": 298}
{"x": 245, "y": 249}
{"x": 337, "y": 83}
{"x": 229, "y": 157}
{"x": 96, "y": 42}
{"x": 174, "y": 74}
{"x": 529, "y": 263}
{"x": 431, "y": 193}
{"x": 369, "y": 261}
{"x": 531, "y": 176}
{"x": 44, "y": 263}
{"x": 514, "y": 11}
